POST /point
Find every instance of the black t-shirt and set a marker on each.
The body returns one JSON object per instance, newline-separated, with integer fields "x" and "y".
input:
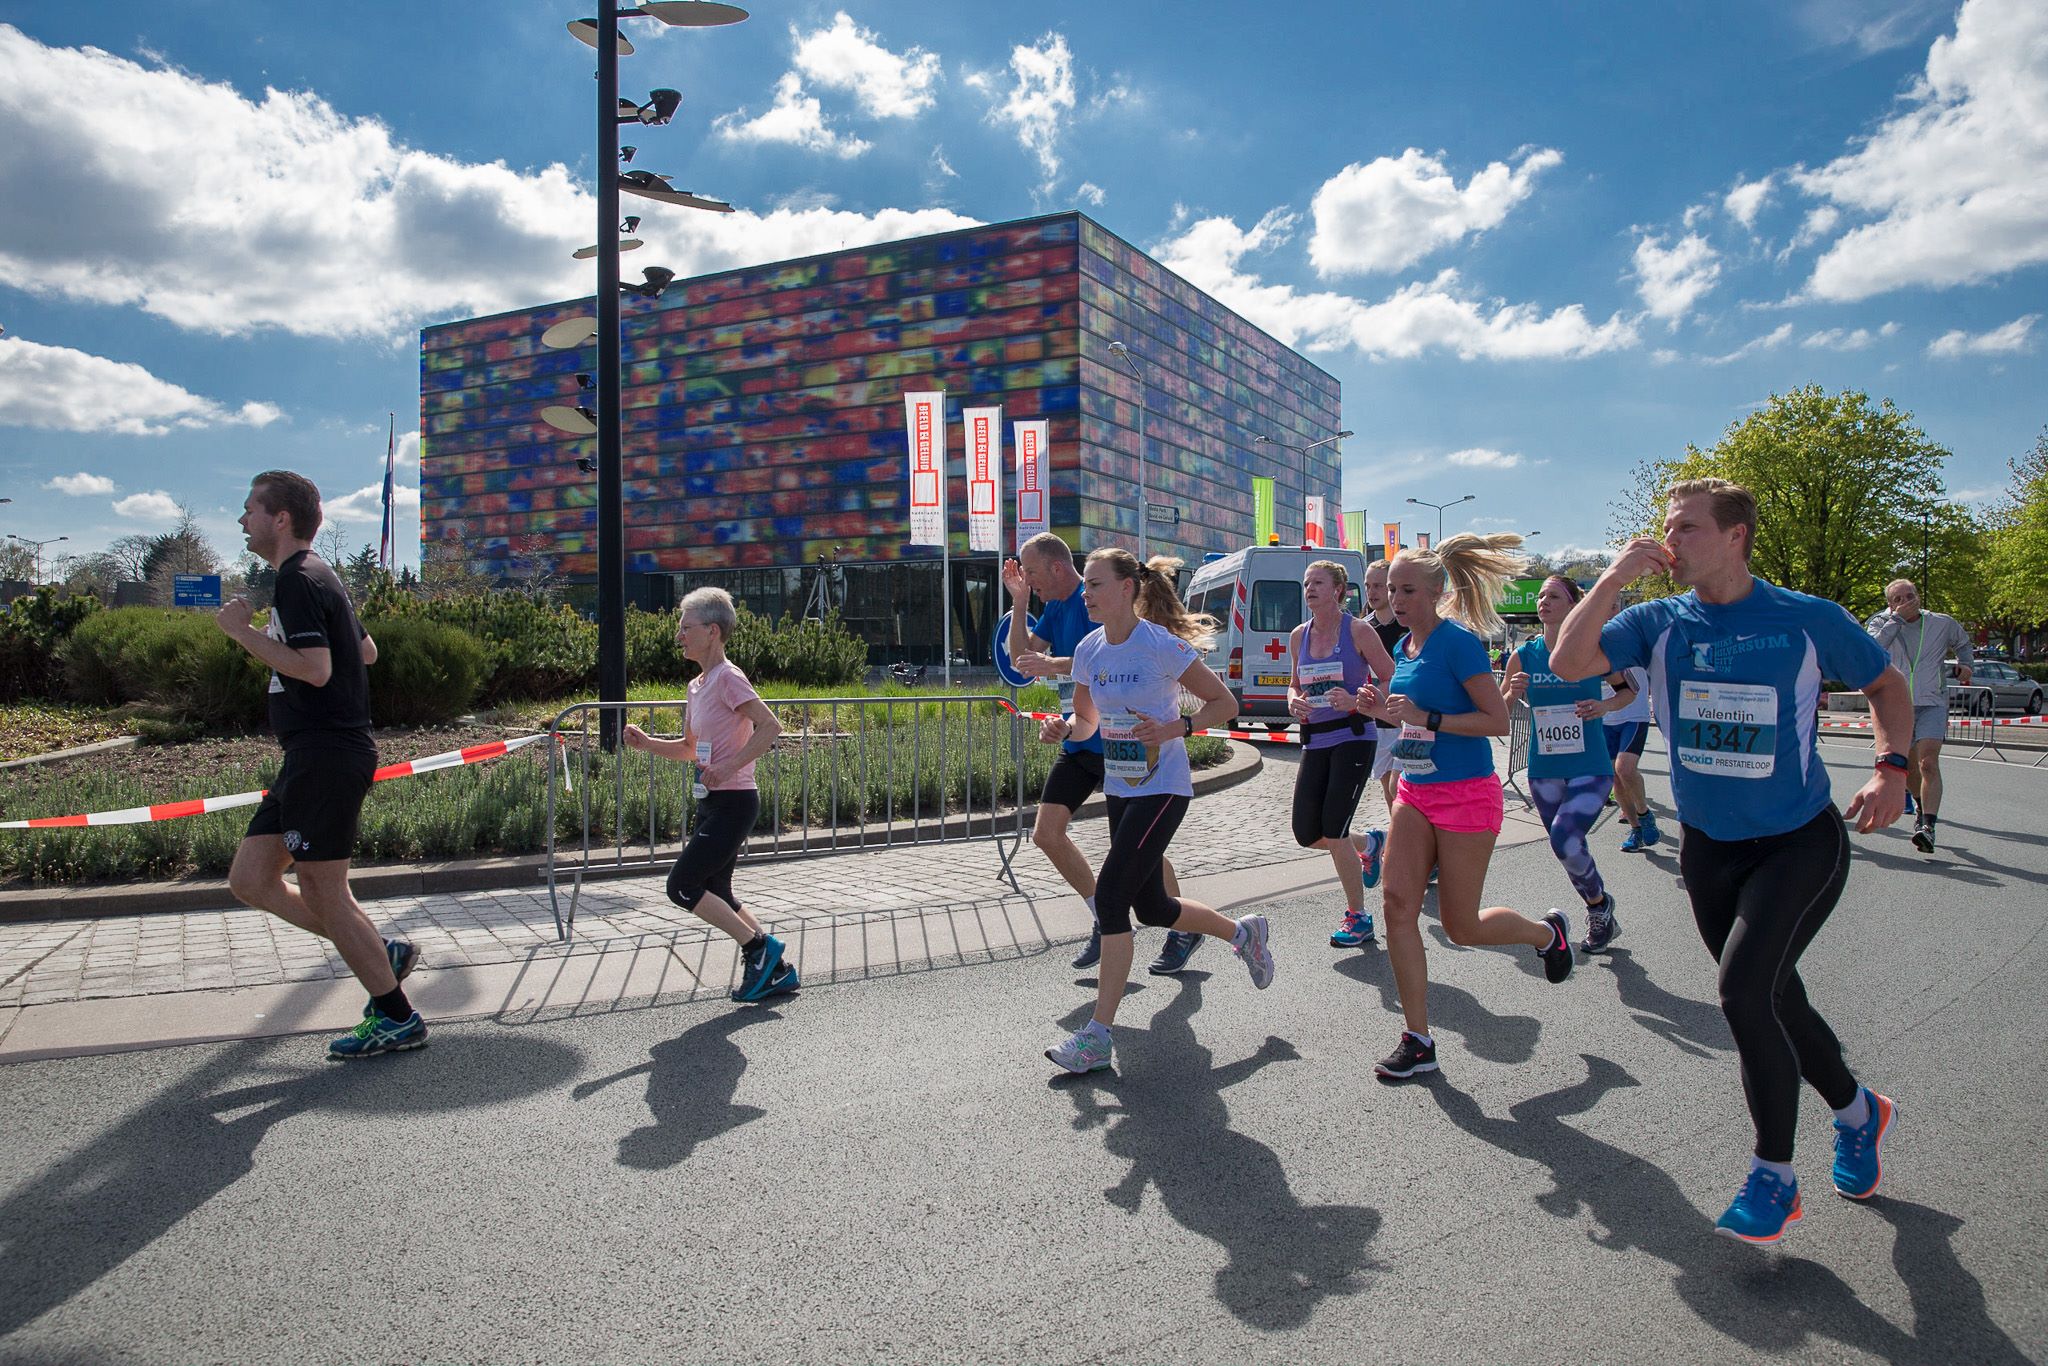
{"x": 1390, "y": 633}
{"x": 311, "y": 610}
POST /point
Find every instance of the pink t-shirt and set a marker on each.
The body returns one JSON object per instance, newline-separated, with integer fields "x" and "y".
{"x": 715, "y": 701}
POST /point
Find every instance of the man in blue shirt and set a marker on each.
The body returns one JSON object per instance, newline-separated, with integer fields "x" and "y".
{"x": 1735, "y": 670}
{"x": 1045, "y": 565}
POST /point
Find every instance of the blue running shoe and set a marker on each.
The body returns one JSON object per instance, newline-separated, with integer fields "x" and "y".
{"x": 1174, "y": 953}
{"x": 1635, "y": 843}
{"x": 1369, "y": 861}
{"x": 404, "y": 958}
{"x": 1909, "y": 803}
{"x": 1091, "y": 952}
{"x": 379, "y": 1034}
{"x": 1356, "y": 929}
{"x": 759, "y": 970}
{"x": 1762, "y": 1210}
{"x": 1857, "y": 1169}
{"x": 1088, "y": 1050}
{"x": 1648, "y": 826}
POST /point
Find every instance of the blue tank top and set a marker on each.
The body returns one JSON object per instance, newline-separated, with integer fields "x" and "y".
{"x": 1561, "y": 744}
{"x": 1353, "y": 677}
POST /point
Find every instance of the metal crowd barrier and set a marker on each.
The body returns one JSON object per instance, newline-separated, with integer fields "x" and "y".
{"x": 814, "y": 784}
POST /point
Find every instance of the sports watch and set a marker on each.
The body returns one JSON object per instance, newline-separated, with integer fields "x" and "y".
{"x": 1187, "y": 725}
{"x": 1891, "y": 758}
{"x": 1434, "y": 721}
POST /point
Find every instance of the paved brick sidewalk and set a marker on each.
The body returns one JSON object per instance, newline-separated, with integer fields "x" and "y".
{"x": 1241, "y": 827}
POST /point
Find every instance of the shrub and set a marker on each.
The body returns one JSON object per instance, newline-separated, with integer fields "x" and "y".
{"x": 426, "y": 673}
{"x": 531, "y": 648}
{"x": 130, "y": 654}
{"x": 216, "y": 684}
{"x": 2037, "y": 671}
{"x": 652, "y": 655}
{"x": 31, "y": 630}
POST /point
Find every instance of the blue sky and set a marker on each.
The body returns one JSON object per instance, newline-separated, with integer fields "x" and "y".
{"x": 1536, "y": 243}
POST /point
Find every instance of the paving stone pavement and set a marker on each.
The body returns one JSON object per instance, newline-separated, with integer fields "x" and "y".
{"x": 1241, "y": 827}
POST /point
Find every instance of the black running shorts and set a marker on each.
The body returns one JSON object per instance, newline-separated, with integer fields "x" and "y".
{"x": 1073, "y": 780}
{"x": 316, "y": 802}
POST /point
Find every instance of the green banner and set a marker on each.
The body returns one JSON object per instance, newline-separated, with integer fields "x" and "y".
{"x": 1262, "y": 511}
{"x": 1519, "y": 595}
{"x": 1354, "y": 531}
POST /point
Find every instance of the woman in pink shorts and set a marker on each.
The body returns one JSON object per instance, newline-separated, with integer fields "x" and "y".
{"x": 1447, "y": 809}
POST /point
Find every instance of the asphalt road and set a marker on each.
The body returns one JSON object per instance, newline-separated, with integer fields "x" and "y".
{"x": 890, "y": 1171}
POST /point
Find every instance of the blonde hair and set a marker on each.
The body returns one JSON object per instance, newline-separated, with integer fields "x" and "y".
{"x": 1336, "y": 572}
{"x": 713, "y": 607}
{"x": 1472, "y": 570}
{"x": 1730, "y": 503}
{"x": 1157, "y": 602}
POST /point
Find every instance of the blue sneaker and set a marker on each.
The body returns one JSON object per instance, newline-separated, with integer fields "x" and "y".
{"x": 1369, "y": 861}
{"x": 379, "y": 1034}
{"x": 1857, "y": 1169}
{"x": 1634, "y": 844}
{"x": 1355, "y": 929}
{"x": 1088, "y": 1050}
{"x": 1909, "y": 803}
{"x": 1091, "y": 952}
{"x": 1174, "y": 953}
{"x": 404, "y": 958}
{"x": 1762, "y": 1210}
{"x": 1648, "y": 826}
{"x": 759, "y": 971}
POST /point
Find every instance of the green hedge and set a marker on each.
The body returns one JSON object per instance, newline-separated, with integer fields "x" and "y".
{"x": 32, "y": 630}
{"x": 2038, "y": 671}
{"x": 426, "y": 673}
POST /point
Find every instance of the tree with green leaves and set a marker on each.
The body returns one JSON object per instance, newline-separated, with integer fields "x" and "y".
{"x": 2015, "y": 564}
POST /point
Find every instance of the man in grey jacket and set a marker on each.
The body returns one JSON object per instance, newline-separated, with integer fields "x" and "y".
{"x": 1919, "y": 642}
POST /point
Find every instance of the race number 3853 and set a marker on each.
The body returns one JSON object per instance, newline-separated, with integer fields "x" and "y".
{"x": 1727, "y": 729}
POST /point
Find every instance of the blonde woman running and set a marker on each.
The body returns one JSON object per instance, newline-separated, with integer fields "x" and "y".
{"x": 1447, "y": 808}
{"x": 1128, "y": 676}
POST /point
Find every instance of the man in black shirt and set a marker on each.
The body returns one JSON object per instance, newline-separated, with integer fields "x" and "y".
{"x": 320, "y": 709}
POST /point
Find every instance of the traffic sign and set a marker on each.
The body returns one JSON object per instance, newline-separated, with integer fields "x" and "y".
{"x": 195, "y": 590}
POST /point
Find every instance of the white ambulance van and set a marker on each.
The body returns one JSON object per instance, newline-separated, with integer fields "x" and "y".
{"x": 1256, "y": 594}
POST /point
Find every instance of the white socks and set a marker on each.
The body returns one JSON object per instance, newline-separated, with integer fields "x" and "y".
{"x": 1423, "y": 1039}
{"x": 1781, "y": 1170}
{"x": 1091, "y": 904}
{"x": 1856, "y": 1114}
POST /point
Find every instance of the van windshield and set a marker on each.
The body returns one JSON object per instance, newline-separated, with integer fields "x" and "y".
{"x": 1276, "y": 606}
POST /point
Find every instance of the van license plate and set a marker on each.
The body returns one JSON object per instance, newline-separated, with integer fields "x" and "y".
{"x": 1274, "y": 680}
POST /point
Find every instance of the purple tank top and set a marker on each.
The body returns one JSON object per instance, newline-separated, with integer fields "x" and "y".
{"x": 1356, "y": 675}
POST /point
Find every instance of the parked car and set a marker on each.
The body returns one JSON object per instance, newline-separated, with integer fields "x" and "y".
{"x": 2010, "y": 689}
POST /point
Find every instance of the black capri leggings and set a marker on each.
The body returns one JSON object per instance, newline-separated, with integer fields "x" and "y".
{"x": 1327, "y": 787}
{"x": 1131, "y": 880}
{"x": 724, "y": 820}
{"x": 1758, "y": 904}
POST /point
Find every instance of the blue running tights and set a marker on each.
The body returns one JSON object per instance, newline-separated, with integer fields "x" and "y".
{"x": 1569, "y": 806}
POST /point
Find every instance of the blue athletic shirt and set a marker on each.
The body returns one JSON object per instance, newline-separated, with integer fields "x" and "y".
{"x": 1561, "y": 744}
{"x": 1435, "y": 679}
{"x": 1063, "y": 625}
{"x": 1737, "y": 689}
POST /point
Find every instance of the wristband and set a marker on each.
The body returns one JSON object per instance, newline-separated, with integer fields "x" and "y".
{"x": 1893, "y": 759}
{"x": 1433, "y": 721}
{"x": 1188, "y": 725}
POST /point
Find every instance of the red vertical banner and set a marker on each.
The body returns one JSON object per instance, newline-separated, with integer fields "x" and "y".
{"x": 924, "y": 428}
{"x": 1312, "y": 521}
{"x": 984, "y": 478}
{"x": 1034, "y": 481}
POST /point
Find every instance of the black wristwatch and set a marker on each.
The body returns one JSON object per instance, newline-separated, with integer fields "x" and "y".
{"x": 1434, "y": 721}
{"x": 1893, "y": 759}
{"x": 1188, "y": 725}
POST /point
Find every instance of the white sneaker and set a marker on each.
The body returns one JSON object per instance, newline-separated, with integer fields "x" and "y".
{"x": 1088, "y": 1050}
{"x": 1250, "y": 945}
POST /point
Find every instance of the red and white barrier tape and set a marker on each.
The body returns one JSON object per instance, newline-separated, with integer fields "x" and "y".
{"x": 199, "y": 806}
{"x": 1966, "y": 722}
{"x": 1271, "y": 737}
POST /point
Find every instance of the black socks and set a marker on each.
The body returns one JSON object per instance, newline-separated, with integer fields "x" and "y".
{"x": 392, "y": 1005}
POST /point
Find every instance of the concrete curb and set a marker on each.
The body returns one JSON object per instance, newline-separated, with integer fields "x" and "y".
{"x": 471, "y": 875}
{"x": 75, "y": 752}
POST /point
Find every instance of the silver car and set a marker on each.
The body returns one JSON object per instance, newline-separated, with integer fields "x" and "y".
{"x": 2010, "y": 690}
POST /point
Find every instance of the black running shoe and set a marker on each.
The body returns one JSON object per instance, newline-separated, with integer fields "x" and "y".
{"x": 1557, "y": 959}
{"x": 1174, "y": 954}
{"x": 1923, "y": 838}
{"x": 1410, "y": 1056}
{"x": 1091, "y": 952}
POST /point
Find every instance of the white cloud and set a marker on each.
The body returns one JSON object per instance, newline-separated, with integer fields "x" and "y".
{"x": 795, "y": 119}
{"x": 59, "y": 389}
{"x": 1437, "y": 314}
{"x": 1840, "y": 339}
{"x": 82, "y": 485}
{"x": 149, "y": 188}
{"x": 1770, "y": 341}
{"x": 1818, "y": 223}
{"x": 1091, "y": 193}
{"x": 1481, "y": 458}
{"x": 940, "y": 166}
{"x": 1957, "y": 182}
{"x": 1039, "y": 101}
{"x": 408, "y": 456}
{"x": 1672, "y": 279}
{"x": 366, "y": 504}
{"x": 2015, "y": 336}
{"x": 155, "y": 506}
{"x": 1390, "y": 213}
{"x": 848, "y": 57}
{"x": 1746, "y": 200}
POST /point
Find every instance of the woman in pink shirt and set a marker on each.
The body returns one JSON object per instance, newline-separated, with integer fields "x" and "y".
{"x": 725, "y": 729}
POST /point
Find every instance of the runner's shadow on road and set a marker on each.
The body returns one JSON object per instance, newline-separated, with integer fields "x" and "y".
{"x": 1768, "y": 1301}
{"x": 80, "y": 1219}
{"x": 1495, "y": 1038}
{"x": 1163, "y": 1112}
{"x": 2016, "y": 836}
{"x": 1695, "y": 1027}
{"x": 1977, "y": 872}
{"x": 691, "y": 1080}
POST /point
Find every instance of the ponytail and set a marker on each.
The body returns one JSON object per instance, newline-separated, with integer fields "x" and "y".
{"x": 1156, "y": 601}
{"x": 1471, "y": 570}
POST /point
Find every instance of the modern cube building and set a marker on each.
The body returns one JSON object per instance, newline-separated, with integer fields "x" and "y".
{"x": 764, "y": 425}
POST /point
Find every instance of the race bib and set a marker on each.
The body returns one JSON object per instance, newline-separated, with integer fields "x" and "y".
{"x": 697, "y": 788}
{"x": 1415, "y": 751}
{"x": 1318, "y": 681}
{"x": 1559, "y": 730}
{"x": 1124, "y": 756}
{"x": 1729, "y": 730}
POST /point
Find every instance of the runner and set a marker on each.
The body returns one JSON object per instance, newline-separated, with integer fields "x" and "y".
{"x": 1737, "y": 665}
{"x": 1627, "y": 728}
{"x": 1328, "y": 656}
{"x": 1045, "y": 566}
{"x": 725, "y": 729}
{"x": 319, "y": 656}
{"x": 1448, "y": 808}
{"x": 1128, "y": 677}
{"x": 1390, "y": 631}
{"x": 1919, "y": 643}
{"x": 1569, "y": 776}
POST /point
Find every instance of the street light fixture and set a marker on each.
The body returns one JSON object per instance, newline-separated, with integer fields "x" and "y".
{"x": 36, "y": 545}
{"x": 1144, "y": 508}
{"x": 1424, "y": 502}
{"x": 1290, "y": 446}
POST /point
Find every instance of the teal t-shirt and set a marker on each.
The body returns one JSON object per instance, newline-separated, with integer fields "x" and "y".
{"x": 1561, "y": 743}
{"x": 1435, "y": 679}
